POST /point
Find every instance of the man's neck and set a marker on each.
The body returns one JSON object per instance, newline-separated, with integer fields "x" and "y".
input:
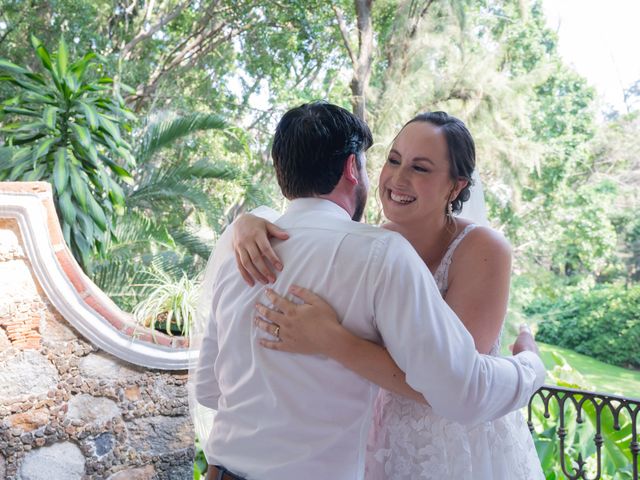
{"x": 339, "y": 200}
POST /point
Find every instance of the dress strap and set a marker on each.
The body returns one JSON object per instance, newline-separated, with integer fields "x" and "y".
{"x": 442, "y": 272}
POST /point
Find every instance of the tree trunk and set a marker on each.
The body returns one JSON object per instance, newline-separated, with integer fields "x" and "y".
{"x": 361, "y": 60}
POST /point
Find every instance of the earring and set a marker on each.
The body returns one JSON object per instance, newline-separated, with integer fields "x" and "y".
{"x": 450, "y": 211}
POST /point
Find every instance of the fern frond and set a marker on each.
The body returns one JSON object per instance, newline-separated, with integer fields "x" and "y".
{"x": 160, "y": 134}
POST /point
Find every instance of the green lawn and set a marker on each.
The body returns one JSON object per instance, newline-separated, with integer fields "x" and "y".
{"x": 604, "y": 377}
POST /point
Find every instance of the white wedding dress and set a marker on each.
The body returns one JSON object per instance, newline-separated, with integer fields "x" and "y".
{"x": 408, "y": 441}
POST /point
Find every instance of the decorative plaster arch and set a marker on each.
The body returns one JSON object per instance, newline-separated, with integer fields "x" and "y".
{"x": 73, "y": 294}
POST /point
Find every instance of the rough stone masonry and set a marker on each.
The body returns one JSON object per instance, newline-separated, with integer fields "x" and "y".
{"x": 69, "y": 411}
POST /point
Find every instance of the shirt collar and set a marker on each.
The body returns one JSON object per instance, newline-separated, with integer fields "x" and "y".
{"x": 318, "y": 205}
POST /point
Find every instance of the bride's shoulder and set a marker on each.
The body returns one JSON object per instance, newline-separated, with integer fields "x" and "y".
{"x": 483, "y": 245}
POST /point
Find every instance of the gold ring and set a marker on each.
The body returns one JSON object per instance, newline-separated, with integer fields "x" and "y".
{"x": 276, "y": 332}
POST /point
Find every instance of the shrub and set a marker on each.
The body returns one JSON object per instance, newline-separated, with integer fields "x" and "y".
{"x": 65, "y": 125}
{"x": 603, "y": 323}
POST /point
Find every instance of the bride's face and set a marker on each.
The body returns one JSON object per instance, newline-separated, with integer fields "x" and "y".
{"x": 415, "y": 182}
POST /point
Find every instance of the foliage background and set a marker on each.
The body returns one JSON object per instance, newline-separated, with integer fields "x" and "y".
{"x": 560, "y": 169}
{"x": 210, "y": 79}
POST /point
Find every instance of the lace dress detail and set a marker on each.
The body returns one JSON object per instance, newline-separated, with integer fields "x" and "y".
{"x": 408, "y": 441}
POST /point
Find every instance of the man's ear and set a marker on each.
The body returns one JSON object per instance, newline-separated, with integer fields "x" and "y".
{"x": 351, "y": 171}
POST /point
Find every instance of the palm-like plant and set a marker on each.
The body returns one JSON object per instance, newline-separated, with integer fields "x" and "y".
{"x": 156, "y": 243}
{"x": 64, "y": 125}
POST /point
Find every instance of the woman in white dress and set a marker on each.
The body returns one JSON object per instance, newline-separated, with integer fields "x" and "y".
{"x": 424, "y": 182}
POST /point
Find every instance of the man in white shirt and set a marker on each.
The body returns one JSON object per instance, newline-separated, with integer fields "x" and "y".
{"x": 288, "y": 416}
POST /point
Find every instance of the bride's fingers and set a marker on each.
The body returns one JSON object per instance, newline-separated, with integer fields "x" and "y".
{"x": 268, "y": 249}
{"x": 277, "y": 232}
{"x": 269, "y": 327}
{"x": 243, "y": 271}
{"x": 273, "y": 345}
{"x": 280, "y": 302}
{"x": 306, "y": 295}
{"x": 258, "y": 263}
{"x": 249, "y": 267}
{"x": 270, "y": 314}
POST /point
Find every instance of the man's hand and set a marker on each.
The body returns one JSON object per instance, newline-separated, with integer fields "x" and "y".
{"x": 524, "y": 342}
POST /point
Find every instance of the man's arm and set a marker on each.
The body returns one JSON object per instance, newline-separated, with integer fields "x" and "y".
{"x": 428, "y": 341}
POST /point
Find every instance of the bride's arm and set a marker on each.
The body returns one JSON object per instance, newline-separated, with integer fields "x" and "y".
{"x": 478, "y": 290}
{"x": 313, "y": 328}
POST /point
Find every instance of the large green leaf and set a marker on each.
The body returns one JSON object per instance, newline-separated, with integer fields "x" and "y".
{"x": 92, "y": 155}
{"x": 42, "y": 53}
{"x": 32, "y": 90}
{"x": 79, "y": 67}
{"x": 49, "y": 117}
{"x": 21, "y": 111}
{"x": 82, "y": 135}
{"x": 6, "y": 153}
{"x": 36, "y": 174}
{"x": 91, "y": 114}
{"x": 43, "y": 148}
{"x": 8, "y": 66}
{"x": 83, "y": 245}
{"x": 62, "y": 58}
{"x": 117, "y": 196}
{"x": 60, "y": 170}
{"x": 86, "y": 224}
{"x": 121, "y": 172}
{"x": 97, "y": 213}
{"x": 111, "y": 128}
{"x": 72, "y": 83}
{"x": 79, "y": 188}
{"x": 66, "y": 207}
{"x": 18, "y": 169}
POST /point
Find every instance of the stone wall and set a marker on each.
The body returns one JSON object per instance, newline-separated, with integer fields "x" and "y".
{"x": 70, "y": 411}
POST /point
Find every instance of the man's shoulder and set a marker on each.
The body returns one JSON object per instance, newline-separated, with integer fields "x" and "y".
{"x": 370, "y": 233}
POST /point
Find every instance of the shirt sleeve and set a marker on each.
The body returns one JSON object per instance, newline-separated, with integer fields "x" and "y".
{"x": 431, "y": 345}
{"x": 207, "y": 391}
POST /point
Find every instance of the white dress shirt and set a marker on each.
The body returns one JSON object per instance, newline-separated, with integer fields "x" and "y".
{"x": 283, "y": 416}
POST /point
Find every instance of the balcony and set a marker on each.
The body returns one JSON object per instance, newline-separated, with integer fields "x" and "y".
{"x": 585, "y": 435}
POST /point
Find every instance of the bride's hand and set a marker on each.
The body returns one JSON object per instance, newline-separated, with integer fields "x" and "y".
{"x": 310, "y": 328}
{"x": 251, "y": 246}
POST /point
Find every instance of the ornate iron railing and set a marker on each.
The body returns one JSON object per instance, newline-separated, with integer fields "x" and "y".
{"x": 579, "y": 399}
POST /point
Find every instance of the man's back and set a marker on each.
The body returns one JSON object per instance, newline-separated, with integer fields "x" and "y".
{"x": 280, "y": 415}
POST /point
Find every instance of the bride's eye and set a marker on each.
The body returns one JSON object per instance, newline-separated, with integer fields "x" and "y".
{"x": 393, "y": 161}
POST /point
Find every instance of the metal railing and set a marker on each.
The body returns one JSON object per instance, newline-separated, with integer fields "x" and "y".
{"x": 597, "y": 404}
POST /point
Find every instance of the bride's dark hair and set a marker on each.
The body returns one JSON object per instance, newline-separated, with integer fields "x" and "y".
{"x": 462, "y": 150}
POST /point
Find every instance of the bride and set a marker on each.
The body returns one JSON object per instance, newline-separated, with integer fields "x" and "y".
{"x": 425, "y": 181}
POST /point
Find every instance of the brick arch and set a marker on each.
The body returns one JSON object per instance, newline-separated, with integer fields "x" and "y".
{"x": 73, "y": 294}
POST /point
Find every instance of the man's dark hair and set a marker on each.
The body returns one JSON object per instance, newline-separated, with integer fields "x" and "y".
{"x": 312, "y": 143}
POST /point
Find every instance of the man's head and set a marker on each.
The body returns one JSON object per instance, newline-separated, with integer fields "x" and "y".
{"x": 313, "y": 145}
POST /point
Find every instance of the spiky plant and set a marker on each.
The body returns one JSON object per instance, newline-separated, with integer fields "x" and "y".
{"x": 65, "y": 125}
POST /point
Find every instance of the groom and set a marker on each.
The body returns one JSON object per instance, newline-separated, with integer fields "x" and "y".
{"x": 288, "y": 417}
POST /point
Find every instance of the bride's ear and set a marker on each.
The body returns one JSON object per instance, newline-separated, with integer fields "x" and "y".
{"x": 458, "y": 186}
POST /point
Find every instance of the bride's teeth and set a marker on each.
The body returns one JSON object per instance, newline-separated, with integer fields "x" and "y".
{"x": 401, "y": 198}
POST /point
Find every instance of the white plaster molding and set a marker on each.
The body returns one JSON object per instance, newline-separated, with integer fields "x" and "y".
{"x": 28, "y": 210}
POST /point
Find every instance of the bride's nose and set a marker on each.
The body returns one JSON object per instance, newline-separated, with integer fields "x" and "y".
{"x": 400, "y": 176}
